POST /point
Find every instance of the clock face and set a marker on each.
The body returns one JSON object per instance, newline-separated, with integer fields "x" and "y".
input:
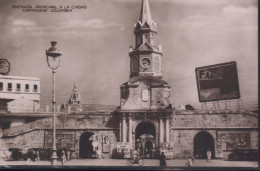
{"x": 145, "y": 63}
{"x": 4, "y": 66}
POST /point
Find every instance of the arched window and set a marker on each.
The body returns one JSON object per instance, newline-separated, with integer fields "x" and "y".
{"x": 152, "y": 39}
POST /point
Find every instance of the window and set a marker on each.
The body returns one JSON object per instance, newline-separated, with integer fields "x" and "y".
{"x": 18, "y": 87}
{"x": 9, "y": 86}
{"x": 152, "y": 39}
{"x": 26, "y": 87}
{"x": 35, "y": 88}
{"x": 1, "y": 86}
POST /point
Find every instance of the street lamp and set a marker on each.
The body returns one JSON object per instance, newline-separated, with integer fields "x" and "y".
{"x": 53, "y": 59}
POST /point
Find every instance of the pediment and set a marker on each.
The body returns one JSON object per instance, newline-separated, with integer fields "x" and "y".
{"x": 146, "y": 25}
{"x": 145, "y": 46}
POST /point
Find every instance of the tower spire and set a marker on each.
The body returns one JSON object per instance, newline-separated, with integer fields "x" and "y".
{"x": 145, "y": 13}
{"x": 75, "y": 97}
{"x": 145, "y": 20}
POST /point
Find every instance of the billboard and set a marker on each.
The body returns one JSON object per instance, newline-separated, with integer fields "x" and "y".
{"x": 217, "y": 82}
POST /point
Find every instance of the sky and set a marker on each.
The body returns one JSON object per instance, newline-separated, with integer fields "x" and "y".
{"x": 95, "y": 44}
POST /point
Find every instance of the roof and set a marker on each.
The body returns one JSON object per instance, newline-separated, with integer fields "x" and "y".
{"x": 19, "y": 78}
{"x": 145, "y": 17}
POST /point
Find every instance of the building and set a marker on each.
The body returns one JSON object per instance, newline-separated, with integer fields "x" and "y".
{"x": 21, "y": 92}
{"x": 145, "y": 108}
{"x": 144, "y": 121}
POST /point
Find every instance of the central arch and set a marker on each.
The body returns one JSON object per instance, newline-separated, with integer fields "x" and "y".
{"x": 145, "y": 138}
{"x": 85, "y": 145}
{"x": 203, "y": 141}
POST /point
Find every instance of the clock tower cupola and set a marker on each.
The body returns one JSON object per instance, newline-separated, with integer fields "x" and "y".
{"x": 145, "y": 56}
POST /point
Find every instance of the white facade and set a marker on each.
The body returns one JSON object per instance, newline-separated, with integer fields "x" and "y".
{"x": 21, "y": 87}
{"x": 24, "y": 89}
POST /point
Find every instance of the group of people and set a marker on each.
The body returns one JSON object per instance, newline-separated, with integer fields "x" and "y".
{"x": 65, "y": 157}
{"x": 33, "y": 156}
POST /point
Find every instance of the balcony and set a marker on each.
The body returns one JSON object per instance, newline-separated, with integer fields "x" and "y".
{"x": 35, "y": 90}
{"x": 9, "y": 89}
{"x": 26, "y": 90}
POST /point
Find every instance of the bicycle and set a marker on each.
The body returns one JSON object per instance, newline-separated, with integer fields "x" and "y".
{"x": 138, "y": 161}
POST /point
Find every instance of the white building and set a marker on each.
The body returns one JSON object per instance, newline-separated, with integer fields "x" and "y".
{"x": 19, "y": 94}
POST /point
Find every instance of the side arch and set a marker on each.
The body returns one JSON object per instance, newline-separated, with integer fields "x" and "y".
{"x": 202, "y": 142}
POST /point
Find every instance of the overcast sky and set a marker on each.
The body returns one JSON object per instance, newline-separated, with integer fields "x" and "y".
{"x": 95, "y": 43}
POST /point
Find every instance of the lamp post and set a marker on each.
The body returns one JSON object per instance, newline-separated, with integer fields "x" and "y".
{"x": 53, "y": 59}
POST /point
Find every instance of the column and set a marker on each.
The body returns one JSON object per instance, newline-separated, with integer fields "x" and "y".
{"x": 124, "y": 129}
{"x": 120, "y": 130}
{"x": 130, "y": 131}
{"x": 161, "y": 130}
{"x": 167, "y": 130}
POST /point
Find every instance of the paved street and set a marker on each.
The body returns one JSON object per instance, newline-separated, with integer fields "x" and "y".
{"x": 148, "y": 162}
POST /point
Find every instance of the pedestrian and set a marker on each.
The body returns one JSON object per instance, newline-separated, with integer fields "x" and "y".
{"x": 99, "y": 154}
{"x": 162, "y": 159}
{"x": 68, "y": 155}
{"x": 63, "y": 158}
{"x": 29, "y": 157}
{"x": 38, "y": 157}
{"x": 77, "y": 154}
{"x": 189, "y": 162}
{"x": 208, "y": 155}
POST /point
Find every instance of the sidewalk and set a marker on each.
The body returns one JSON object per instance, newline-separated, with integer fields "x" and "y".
{"x": 148, "y": 162}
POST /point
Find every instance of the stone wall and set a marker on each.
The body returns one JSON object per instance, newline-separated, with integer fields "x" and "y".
{"x": 32, "y": 135}
{"x": 222, "y": 127}
{"x": 33, "y": 139}
{"x": 183, "y": 129}
{"x": 214, "y": 121}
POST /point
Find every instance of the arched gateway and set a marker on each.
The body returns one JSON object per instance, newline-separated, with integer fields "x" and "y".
{"x": 203, "y": 142}
{"x": 85, "y": 145}
{"x": 145, "y": 138}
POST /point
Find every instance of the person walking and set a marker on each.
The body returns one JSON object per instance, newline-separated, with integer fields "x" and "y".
{"x": 68, "y": 155}
{"x": 63, "y": 158}
{"x": 38, "y": 157}
{"x": 162, "y": 159}
{"x": 208, "y": 155}
{"x": 29, "y": 157}
{"x": 189, "y": 162}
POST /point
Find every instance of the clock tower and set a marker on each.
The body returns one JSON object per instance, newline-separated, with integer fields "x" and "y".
{"x": 145, "y": 107}
{"x": 145, "y": 57}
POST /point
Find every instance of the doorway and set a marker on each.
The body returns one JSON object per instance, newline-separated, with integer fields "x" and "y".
{"x": 145, "y": 138}
{"x": 203, "y": 142}
{"x": 85, "y": 145}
